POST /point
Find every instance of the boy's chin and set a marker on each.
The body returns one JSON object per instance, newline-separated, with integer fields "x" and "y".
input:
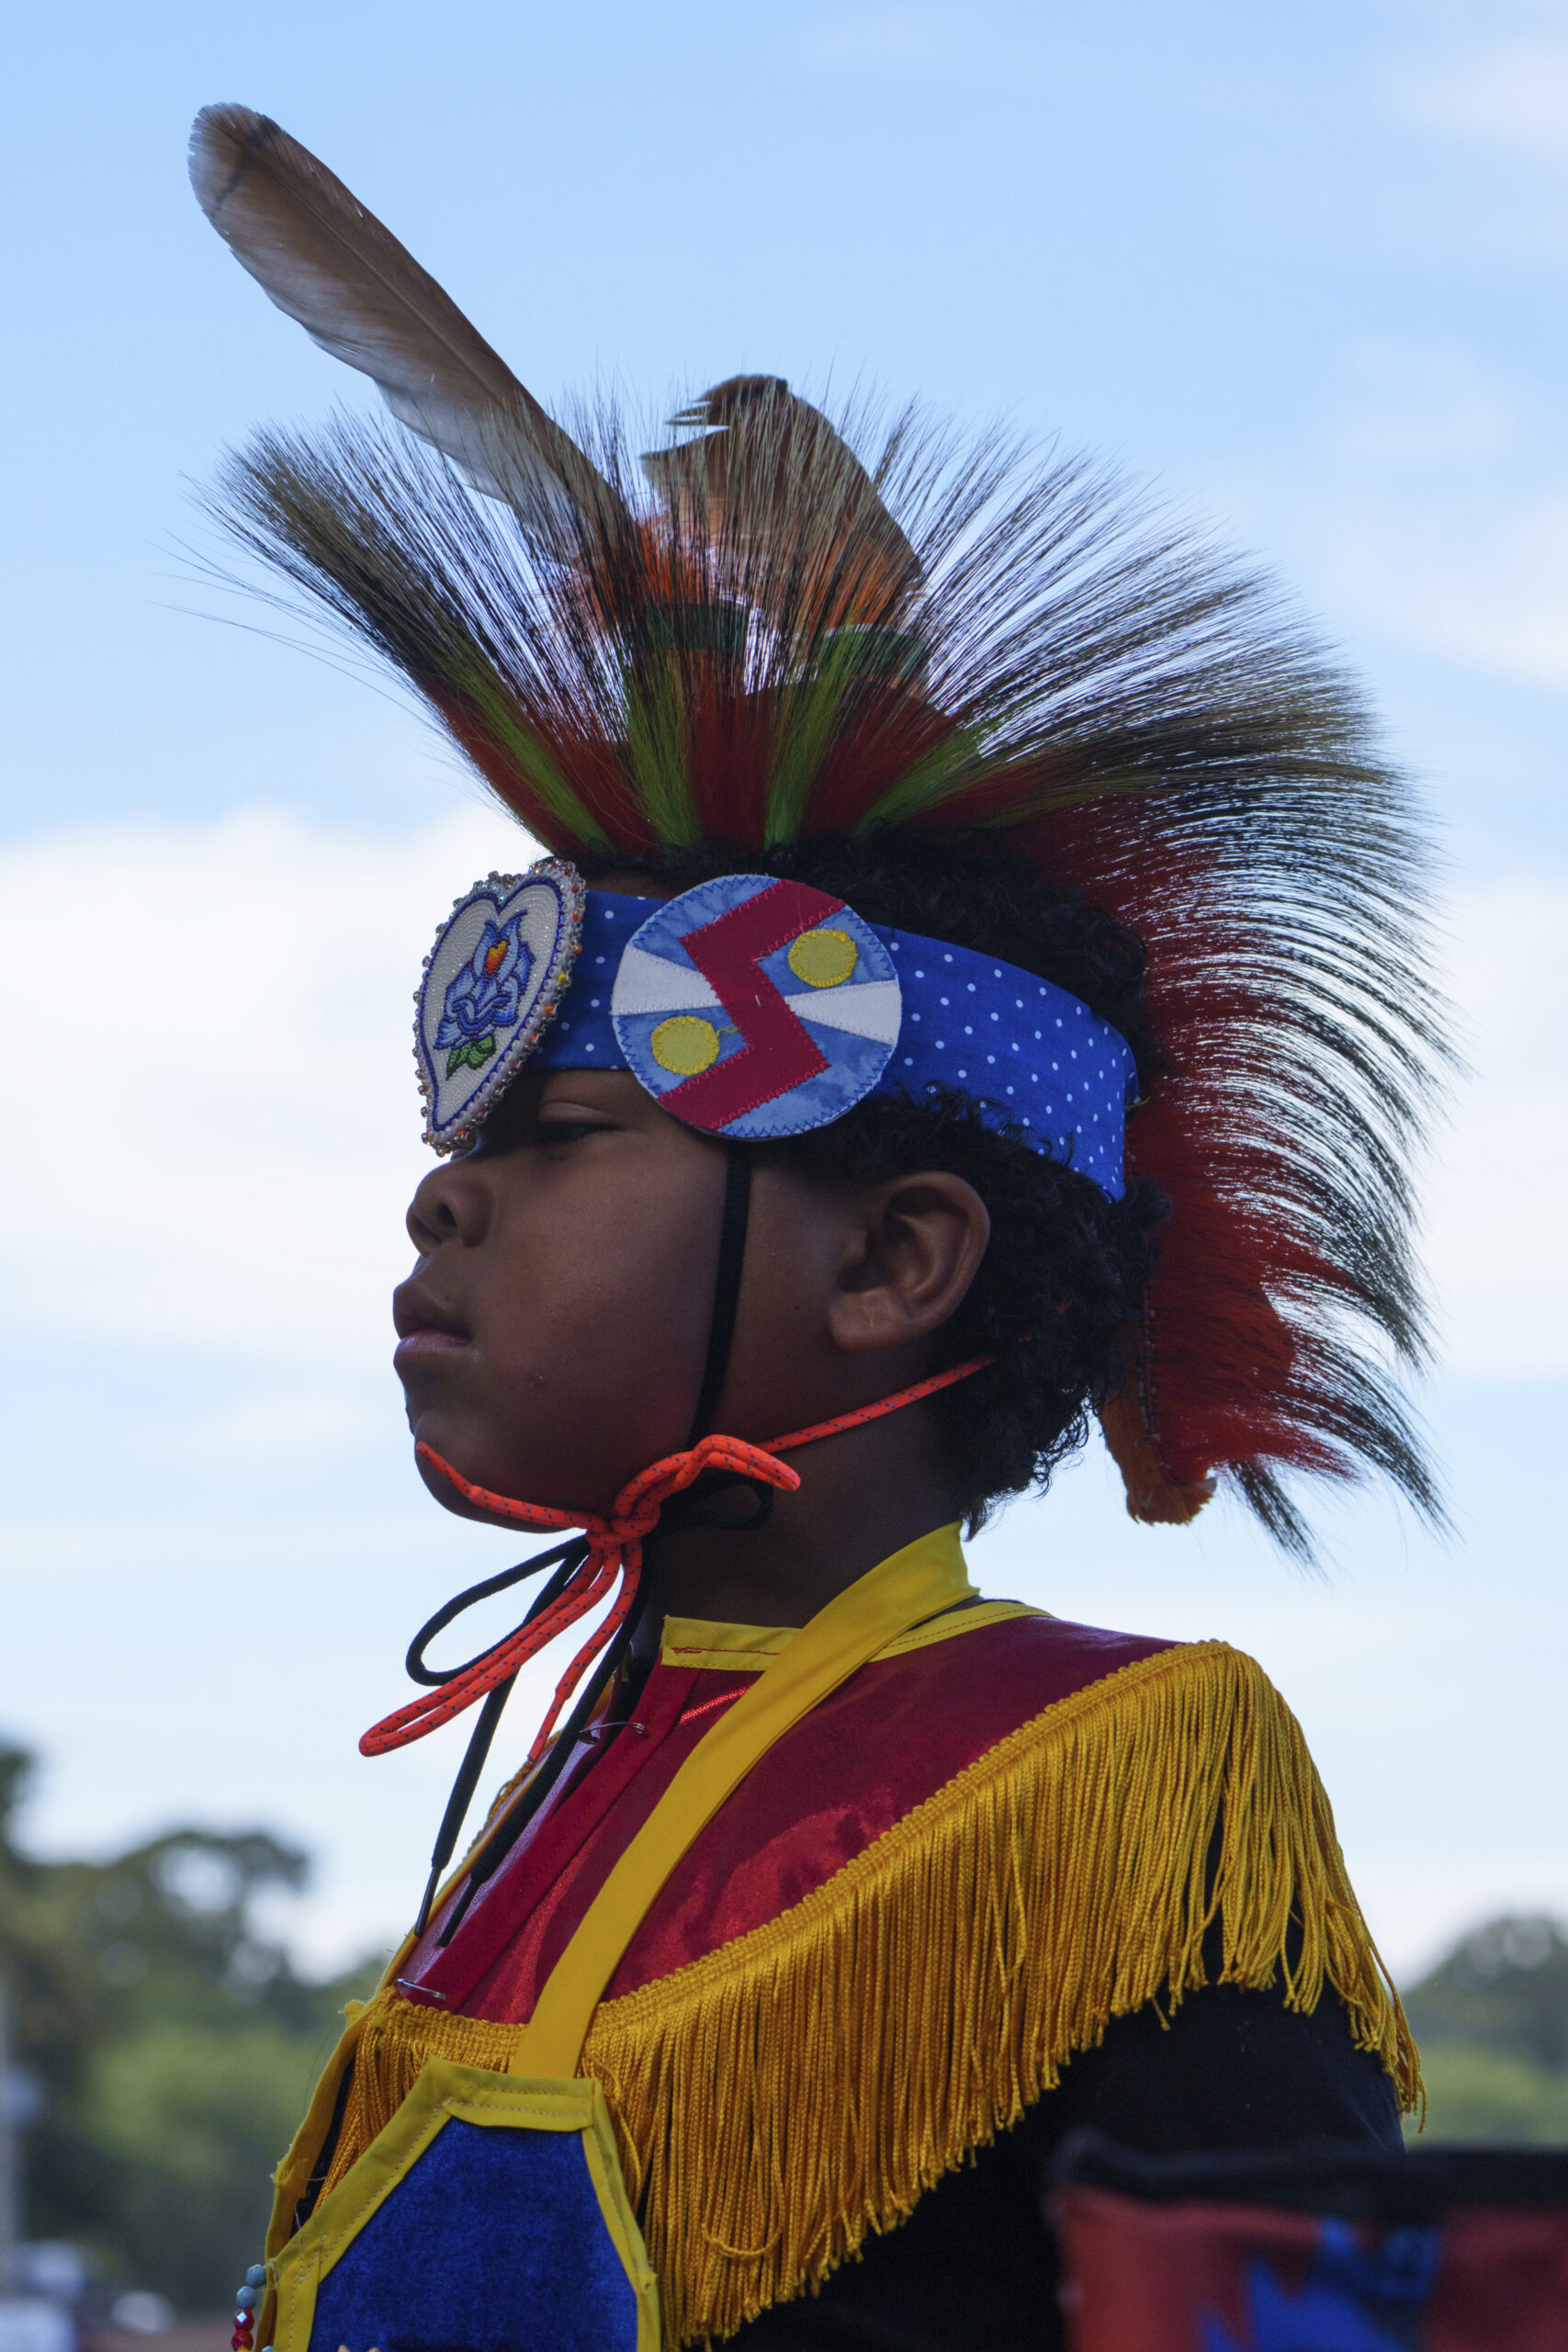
{"x": 451, "y": 1497}
{"x": 465, "y": 1460}
{"x": 511, "y": 1483}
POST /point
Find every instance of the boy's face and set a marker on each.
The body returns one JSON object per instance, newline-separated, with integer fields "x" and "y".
{"x": 553, "y": 1335}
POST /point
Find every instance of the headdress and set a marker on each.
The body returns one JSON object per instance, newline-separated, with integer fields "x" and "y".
{"x": 747, "y": 635}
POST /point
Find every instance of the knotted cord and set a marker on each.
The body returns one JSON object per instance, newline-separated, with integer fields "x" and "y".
{"x": 611, "y": 1547}
{"x": 614, "y": 1548}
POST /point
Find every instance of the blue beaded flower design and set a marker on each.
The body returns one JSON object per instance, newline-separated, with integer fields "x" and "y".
{"x": 484, "y": 997}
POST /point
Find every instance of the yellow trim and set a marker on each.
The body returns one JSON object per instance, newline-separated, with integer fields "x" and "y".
{"x": 958, "y": 1620}
{"x": 442, "y": 2092}
{"x": 698, "y": 1644}
{"x": 802, "y": 2086}
{"x": 730, "y": 1649}
{"x": 712, "y": 1643}
{"x": 915, "y": 1583}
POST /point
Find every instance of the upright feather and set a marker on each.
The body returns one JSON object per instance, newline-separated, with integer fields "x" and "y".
{"x": 327, "y": 262}
{"x": 760, "y": 464}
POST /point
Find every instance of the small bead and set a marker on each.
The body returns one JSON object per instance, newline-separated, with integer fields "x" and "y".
{"x": 256, "y": 2275}
{"x": 245, "y": 2301}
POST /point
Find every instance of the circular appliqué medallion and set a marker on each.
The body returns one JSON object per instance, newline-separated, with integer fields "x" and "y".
{"x": 754, "y": 1008}
{"x": 500, "y": 965}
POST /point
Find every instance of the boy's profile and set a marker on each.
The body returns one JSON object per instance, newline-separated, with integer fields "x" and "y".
{"x": 973, "y": 980}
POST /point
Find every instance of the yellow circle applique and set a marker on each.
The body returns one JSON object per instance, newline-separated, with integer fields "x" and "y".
{"x": 685, "y": 1043}
{"x": 823, "y": 958}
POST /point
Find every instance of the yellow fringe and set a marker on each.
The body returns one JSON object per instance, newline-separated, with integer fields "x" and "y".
{"x": 807, "y": 2083}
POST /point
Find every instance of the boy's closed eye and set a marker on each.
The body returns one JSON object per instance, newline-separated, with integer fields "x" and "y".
{"x": 552, "y": 1133}
{"x": 522, "y": 1121}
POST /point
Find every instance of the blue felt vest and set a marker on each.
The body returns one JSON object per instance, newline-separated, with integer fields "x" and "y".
{"x": 489, "y": 2216}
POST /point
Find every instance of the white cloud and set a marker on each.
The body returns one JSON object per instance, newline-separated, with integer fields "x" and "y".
{"x": 1511, "y": 94}
{"x": 215, "y": 1121}
{"x": 1431, "y": 507}
{"x": 1482, "y": 580}
{"x": 1497, "y": 1240}
{"x": 276, "y": 1424}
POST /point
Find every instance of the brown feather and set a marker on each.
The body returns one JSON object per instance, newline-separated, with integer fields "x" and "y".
{"x": 761, "y": 463}
{"x": 331, "y": 265}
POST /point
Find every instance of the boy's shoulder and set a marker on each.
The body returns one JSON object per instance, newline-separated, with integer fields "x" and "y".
{"x": 937, "y": 1723}
{"x": 1038, "y": 1655}
{"x": 954, "y": 1687}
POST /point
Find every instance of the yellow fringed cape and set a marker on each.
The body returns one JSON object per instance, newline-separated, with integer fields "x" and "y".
{"x": 803, "y": 2084}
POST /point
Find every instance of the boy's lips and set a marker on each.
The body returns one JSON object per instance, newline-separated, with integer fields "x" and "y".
{"x": 428, "y": 1340}
{"x": 424, "y": 1328}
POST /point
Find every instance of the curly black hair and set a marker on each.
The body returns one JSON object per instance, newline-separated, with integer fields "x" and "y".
{"x": 1063, "y": 1273}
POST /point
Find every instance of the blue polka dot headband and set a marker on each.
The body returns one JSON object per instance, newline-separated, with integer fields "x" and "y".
{"x": 755, "y": 1008}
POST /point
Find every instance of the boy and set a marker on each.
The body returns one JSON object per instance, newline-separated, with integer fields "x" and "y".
{"x": 785, "y": 1222}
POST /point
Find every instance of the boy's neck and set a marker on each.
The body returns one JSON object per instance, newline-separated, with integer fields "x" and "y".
{"x": 863, "y": 1495}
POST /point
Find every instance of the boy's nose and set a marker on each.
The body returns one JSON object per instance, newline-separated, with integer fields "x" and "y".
{"x": 452, "y": 1203}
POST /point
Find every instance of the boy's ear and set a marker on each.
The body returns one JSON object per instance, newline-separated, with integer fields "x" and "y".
{"x": 917, "y": 1247}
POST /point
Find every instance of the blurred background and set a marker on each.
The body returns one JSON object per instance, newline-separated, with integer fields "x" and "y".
{"x": 1299, "y": 269}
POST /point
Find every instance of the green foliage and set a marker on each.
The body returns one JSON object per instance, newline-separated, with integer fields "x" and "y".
{"x": 193, "y": 2118}
{"x": 1503, "y": 1988}
{"x": 1492, "y": 2020}
{"x": 176, "y": 2046}
{"x": 1479, "y": 2094}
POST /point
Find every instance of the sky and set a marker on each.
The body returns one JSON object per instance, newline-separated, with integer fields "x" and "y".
{"x": 1302, "y": 270}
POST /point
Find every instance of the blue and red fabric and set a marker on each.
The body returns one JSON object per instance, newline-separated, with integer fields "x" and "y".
{"x": 754, "y": 1008}
{"x": 1316, "y": 2248}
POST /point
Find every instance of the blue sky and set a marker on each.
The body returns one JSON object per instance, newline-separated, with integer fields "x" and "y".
{"x": 1301, "y": 269}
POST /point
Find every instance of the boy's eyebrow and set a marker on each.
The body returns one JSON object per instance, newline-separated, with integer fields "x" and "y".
{"x": 598, "y": 1089}
{"x": 586, "y": 1098}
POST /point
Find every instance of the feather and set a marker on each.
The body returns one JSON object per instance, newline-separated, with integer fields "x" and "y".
{"x": 330, "y": 263}
{"x": 756, "y": 455}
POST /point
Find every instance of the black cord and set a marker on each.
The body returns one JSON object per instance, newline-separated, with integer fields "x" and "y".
{"x": 570, "y": 1556}
{"x": 727, "y": 1286}
{"x": 489, "y": 1860}
{"x": 733, "y": 1226}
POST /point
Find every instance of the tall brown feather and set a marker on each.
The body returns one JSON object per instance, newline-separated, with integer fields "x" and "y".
{"x": 326, "y": 261}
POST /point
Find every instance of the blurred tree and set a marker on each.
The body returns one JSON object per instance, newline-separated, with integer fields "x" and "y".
{"x": 1492, "y": 2020}
{"x": 1503, "y": 1988}
{"x": 193, "y": 2118}
{"x": 175, "y": 2043}
{"x": 1479, "y": 2094}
